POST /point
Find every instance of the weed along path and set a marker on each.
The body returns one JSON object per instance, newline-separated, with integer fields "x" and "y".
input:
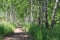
{"x": 18, "y": 34}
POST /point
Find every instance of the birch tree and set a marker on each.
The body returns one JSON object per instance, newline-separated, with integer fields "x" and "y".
{"x": 45, "y": 13}
{"x": 31, "y": 10}
{"x": 54, "y": 13}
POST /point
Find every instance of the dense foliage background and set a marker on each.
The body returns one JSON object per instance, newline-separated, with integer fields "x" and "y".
{"x": 40, "y": 18}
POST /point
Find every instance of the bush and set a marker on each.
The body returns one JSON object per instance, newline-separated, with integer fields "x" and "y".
{"x": 6, "y": 27}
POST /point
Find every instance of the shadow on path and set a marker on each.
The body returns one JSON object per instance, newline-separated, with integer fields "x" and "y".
{"x": 18, "y": 34}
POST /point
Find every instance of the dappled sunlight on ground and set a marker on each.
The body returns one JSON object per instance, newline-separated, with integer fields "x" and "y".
{"x": 18, "y": 30}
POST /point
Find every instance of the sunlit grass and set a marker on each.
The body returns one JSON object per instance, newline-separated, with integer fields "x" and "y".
{"x": 6, "y": 27}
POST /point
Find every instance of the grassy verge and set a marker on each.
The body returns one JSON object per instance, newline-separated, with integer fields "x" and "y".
{"x": 6, "y": 28}
{"x": 39, "y": 33}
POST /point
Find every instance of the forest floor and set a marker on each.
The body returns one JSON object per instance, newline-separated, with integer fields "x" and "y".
{"x": 19, "y": 34}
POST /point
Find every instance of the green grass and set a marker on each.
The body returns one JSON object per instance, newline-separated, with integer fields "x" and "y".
{"x": 6, "y": 27}
{"x": 26, "y": 27}
{"x": 35, "y": 32}
{"x": 40, "y": 33}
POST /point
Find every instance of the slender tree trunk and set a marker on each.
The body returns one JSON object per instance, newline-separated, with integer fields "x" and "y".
{"x": 13, "y": 15}
{"x": 10, "y": 12}
{"x": 31, "y": 11}
{"x": 54, "y": 14}
{"x": 45, "y": 13}
{"x": 39, "y": 17}
{"x": 6, "y": 12}
{"x": 6, "y": 15}
{"x": 40, "y": 14}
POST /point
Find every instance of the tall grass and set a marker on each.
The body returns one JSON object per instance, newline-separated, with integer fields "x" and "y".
{"x": 40, "y": 33}
{"x": 6, "y": 27}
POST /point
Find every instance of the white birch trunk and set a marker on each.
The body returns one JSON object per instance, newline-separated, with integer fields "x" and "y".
{"x": 6, "y": 12}
{"x": 45, "y": 13}
{"x": 54, "y": 13}
{"x": 31, "y": 11}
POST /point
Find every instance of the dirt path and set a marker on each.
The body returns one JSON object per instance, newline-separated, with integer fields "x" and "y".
{"x": 18, "y": 34}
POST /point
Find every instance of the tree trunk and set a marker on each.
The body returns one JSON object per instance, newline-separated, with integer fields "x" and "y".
{"x": 45, "y": 13}
{"x": 6, "y": 12}
{"x": 10, "y": 12}
{"x": 54, "y": 14}
{"x": 31, "y": 18}
{"x": 40, "y": 13}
